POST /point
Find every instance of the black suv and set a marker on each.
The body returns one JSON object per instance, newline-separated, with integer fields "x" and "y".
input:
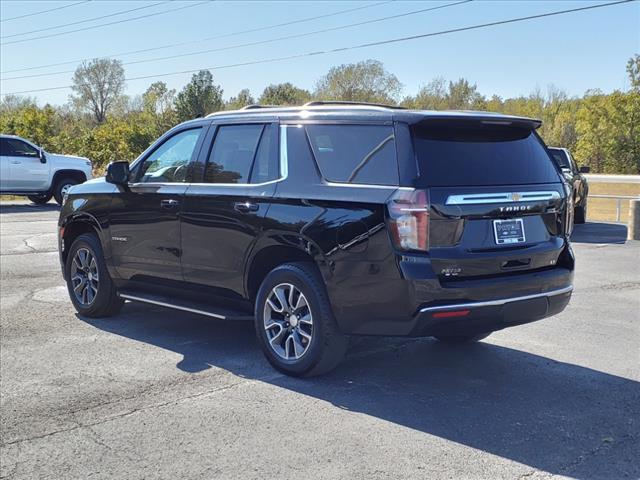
{"x": 329, "y": 220}
{"x": 576, "y": 180}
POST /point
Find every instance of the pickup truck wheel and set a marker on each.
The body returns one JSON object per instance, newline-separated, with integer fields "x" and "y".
{"x": 580, "y": 214}
{"x": 39, "y": 199}
{"x": 91, "y": 289}
{"x": 294, "y": 322}
{"x": 62, "y": 187}
{"x": 462, "y": 338}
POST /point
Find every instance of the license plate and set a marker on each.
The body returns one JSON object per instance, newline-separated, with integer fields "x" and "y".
{"x": 509, "y": 231}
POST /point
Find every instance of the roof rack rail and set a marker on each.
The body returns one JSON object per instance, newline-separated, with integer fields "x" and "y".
{"x": 317, "y": 103}
{"x": 255, "y": 106}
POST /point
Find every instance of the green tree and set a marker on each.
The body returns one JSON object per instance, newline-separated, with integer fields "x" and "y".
{"x": 365, "y": 81}
{"x": 284, "y": 94}
{"x": 462, "y": 95}
{"x": 633, "y": 69}
{"x": 97, "y": 85}
{"x": 608, "y": 136}
{"x": 243, "y": 99}
{"x": 432, "y": 96}
{"x": 199, "y": 97}
{"x": 31, "y": 122}
{"x": 438, "y": 95}
{"x": 158, "y": 101}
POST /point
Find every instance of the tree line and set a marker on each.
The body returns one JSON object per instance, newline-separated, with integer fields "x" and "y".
{"x": 102, "y": 123}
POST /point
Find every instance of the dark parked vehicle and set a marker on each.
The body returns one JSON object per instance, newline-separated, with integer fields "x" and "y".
{"x": 576, "y": 179}
{"x": 329, "y": 220}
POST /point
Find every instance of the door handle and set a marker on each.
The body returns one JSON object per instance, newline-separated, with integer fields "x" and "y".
{"x": 170, "y": 203}
{"x": 245, "y": 207}
{"x": 16, "y": 162}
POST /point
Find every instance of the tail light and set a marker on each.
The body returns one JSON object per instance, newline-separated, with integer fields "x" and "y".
{"x": 409, "y": 219}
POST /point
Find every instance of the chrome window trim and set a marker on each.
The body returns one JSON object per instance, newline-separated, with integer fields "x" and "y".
{"x": 493, "y": 303}
{"x": 502, "y": 197}
{"x": 366, "y": 185}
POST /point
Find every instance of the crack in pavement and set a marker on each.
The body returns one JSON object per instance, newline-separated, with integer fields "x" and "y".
{"x": 176, "y": 401}
{"x": 604, "y": 443}
{"x": 79, "y": 425}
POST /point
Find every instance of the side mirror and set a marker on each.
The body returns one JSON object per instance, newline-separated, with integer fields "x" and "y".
{"x": 585, "y": 169}
{"x": 118, "y": 173}
{"x": 42, "y": 156}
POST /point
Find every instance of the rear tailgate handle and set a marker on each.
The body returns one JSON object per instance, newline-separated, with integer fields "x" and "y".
{"x": 170, "y": 203}
{"x": 523, "y": 262}
{"x": 245, "y": 207}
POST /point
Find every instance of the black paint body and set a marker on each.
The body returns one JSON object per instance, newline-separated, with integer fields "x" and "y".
{"x": 203, "y": 248}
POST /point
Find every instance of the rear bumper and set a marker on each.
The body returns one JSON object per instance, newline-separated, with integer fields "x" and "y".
{"x": 406, "y": 306}
{"x": 486, "y": 316}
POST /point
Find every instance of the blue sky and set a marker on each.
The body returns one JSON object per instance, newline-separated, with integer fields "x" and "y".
{"x": 574, "y": 52}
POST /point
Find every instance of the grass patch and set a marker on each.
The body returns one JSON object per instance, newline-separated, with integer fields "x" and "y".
{"x": 604, "y": 209}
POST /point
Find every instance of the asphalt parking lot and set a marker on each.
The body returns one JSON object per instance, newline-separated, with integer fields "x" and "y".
{"x": 153, "y": 393}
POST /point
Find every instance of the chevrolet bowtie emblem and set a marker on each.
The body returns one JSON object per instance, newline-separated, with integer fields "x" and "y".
{"x": 515, "y": 197}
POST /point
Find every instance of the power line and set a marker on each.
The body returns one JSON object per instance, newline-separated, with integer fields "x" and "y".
{"x": 231, "y": 34}
{"x": 44, "y": 11}
{"x": 105, "y": 24}
{"x": 259, "y": 42}
{"x": 84, "y": 21}
{"x": 355, "y": 47}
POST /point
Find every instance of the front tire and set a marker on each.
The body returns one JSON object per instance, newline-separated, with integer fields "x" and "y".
{"x": 295, "y": 324}
{"x": 39, "y": 199}
{"x": 62, "y": 187}
{"x": 458, "y": 339}
{"x": 90, "y": 287}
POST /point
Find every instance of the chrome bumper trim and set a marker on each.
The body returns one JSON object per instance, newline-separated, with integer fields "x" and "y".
{"x": 493, "y": 303}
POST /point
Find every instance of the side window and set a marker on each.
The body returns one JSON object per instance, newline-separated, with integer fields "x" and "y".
{"x": 5, "y": 148}
{"x": 267, "y": 166}
{"x": 18, "y": 148}
{"x": 355, "y": 153}
{"x": 168, "y": 162}
{"x": 232, "y": 154}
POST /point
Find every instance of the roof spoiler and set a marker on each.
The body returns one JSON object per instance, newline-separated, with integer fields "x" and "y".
{"x": 489, "y": 120}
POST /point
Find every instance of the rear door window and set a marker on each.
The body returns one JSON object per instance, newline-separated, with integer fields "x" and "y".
{"x": 231, "y": 157}
{"x": 561, "y": 158}
{"x": 464, "y": 155}
{"x": 363, "y": 154}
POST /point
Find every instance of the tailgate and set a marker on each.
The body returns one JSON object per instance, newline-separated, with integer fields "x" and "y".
{"x": 484, "y": 231}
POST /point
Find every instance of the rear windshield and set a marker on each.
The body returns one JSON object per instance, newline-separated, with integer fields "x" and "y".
{"x": 452, "y": 155}
{"x": 561, "y": 158}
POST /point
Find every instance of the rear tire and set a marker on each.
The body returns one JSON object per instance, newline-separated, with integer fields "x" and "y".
{"x": 580, "y": 214}
{"x": 39, "y": 199}
{"x": 299, "y": 336}
{"x": 457, "y": 339}
{"x": 90, "y": 287}
{"x": 61, "y": 188}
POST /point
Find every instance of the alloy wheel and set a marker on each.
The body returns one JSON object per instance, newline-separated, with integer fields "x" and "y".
{"x": 288, "y": 321}
{"x": 65, "y": 189}
{"x": 84, "y": 276}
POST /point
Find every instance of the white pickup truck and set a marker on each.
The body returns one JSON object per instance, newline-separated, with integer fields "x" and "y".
{"x": 26, "y": 169}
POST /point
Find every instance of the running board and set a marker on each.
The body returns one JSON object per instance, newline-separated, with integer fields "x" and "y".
{"x": 186, "y": 306}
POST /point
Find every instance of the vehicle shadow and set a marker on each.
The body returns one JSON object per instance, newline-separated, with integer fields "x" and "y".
{"x": 553, "y": 416}
{"x": 599, "y": 232}
{"x": 23, "y": 207}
